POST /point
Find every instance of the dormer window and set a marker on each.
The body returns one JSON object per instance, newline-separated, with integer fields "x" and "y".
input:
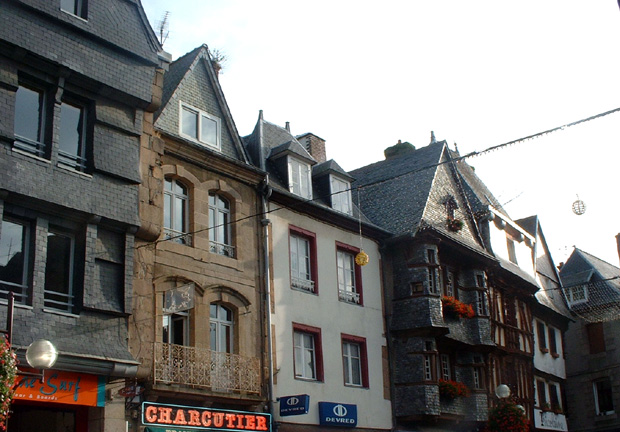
{"x": 199, "y": 126}
{"x": 341, "y": 195}
{"x": 299, "y": 178}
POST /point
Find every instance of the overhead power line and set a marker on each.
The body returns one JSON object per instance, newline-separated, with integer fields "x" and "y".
{"x": 414, "y": 171}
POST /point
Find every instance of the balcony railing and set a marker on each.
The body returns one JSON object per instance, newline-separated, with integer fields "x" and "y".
{"x": 348, "y": 296}
{"x": 203, "y": 368}
{"x": 222, "y": 249}
{"x": 303, "y": 284}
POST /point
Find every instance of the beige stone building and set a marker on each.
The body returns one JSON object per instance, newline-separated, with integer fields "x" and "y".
{"x": 198, "y": 311}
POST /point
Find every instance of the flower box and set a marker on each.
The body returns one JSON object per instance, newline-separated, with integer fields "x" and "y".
{"x": 456, "y": 308}
{"x": 452, "y": 389}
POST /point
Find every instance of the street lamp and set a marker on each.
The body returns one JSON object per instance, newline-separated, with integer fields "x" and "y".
{"x": 502, "y": 391}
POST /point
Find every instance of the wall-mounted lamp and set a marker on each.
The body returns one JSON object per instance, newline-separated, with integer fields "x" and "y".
{"x": 502, "y": 391}
{"x": 40, "y": 354}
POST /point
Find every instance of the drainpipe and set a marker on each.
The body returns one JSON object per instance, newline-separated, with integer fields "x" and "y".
{"x": 265, "y": 222}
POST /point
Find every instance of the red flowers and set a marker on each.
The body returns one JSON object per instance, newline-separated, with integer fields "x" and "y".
{"x": 507, "y": 417}
{"x": 8, "y": 373}
{"x": 454, "y": 307}
{"x": 452, "y": 389}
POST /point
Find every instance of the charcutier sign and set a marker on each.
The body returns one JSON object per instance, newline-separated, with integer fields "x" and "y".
{"x": 203, "y": 419}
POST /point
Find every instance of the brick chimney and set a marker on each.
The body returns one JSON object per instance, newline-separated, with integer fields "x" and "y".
{"x": 314, "y": 145}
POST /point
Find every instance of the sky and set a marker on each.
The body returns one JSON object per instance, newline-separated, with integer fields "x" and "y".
{"x": 363, "y": 75}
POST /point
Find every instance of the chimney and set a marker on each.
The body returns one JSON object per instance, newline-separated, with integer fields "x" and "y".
{"x": 314, "y": 145}
{"x": 288, "y": 126}
{"x": 400, "y": 148}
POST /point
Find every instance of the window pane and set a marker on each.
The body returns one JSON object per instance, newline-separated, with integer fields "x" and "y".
{"x": 167, "y": 211}
{"x": 208, "y": 132}
{"x": 189, "y": 123}
{"x": 59, "y": 271}
{"x": 13, "y": 252}
{"x": 179, "y": 214}
{"x": 28, "y": 113}
{"x": 71, "y": 129}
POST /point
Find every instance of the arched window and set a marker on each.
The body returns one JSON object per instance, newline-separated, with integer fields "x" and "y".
{"x": 219, "y": 226}
{"x": 176, "y": 204}
{"x": 221, "y": 321}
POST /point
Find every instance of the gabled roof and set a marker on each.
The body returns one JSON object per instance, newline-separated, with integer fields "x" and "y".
{"x": 407, "y": 180}
{"x": 193, "y": 80}
{"x": 330, "y": 167}
{"x": 602, "y": 285}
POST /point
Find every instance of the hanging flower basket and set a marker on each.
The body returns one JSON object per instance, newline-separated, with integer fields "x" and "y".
{"x": 8, "y": 373}
{"x": 456, "y": 308}
{"x": 452, "y": 389}
{"x": 455, "y": 225}
{"x": 507, "y": 417}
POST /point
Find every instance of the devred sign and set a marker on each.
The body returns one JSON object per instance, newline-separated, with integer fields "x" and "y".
{"x": 203, "y": 418}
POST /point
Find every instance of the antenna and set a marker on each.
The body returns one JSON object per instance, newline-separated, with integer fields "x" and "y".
{"x": 163, "y": 28}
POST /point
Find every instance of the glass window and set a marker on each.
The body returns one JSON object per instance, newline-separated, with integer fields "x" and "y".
{"x": 305, "y": 355}
{"x": 221, "y": 321}
{"x": 30, "y": 116}
{"x": 428, "y": 367}
{"x": 347, "y": 281}
{"x": 74, "y": 7}
{"x": 301, "y": 263}
{"x": 176, "y": 203}
{"x": 446, "y": 369}
{"x": 481, "y": 303}
{"x": 542, "y": 337}
{"x": 219, "y": 226}
{"x": 352, "y": 359}
{"x": 72, "y": 136}
{"x": 176, "y": 328}
{"x": 449, "y": 284}
{"x": 603, "y": 397}
{"x": 596, "y": 337}
{"x": 59, "y": 271}
{"x": 15, "y": 258}
{"x": 299, "y": 178}
{"x": 200, "y": 126}
{"x": 341, "y": 195}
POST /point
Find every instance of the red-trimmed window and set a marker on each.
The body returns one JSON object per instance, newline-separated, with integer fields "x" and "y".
{"x": 349, "y": 274}
{"x": 354, "y": 361}
{"x": 302, "y": 247}
{"x": 307, "y": 352}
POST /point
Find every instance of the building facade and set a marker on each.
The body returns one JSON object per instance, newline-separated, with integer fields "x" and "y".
{"x": 592, "y": 291}
{"x": 327, "y": 330}
{"x": 76, "y": 80}
{"x": 198, "y": 315}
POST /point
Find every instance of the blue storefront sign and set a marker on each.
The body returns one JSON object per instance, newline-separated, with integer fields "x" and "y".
{"x": 294, "y": 405}
{"x": 337, "y": 414}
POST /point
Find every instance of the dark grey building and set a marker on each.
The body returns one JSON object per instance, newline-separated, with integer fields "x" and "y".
{"x": 76, "y": 77}
{"x": 592, "y": 290}
{"x": 458, "y": 305}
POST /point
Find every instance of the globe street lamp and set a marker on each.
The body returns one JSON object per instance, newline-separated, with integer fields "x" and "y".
{"x": 502, "y": 391}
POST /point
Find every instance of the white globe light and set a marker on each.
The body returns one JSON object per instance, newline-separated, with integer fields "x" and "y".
{"x": 41, "y": 354}
{"x": 521, "y": 408}
{"x": 502, "y": 391}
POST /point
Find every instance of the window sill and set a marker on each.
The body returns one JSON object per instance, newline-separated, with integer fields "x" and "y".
{"x": 544, "y": 350}
{"x": 361, "y": 387}
{"x": 603, "y": 417}
{"x": 74, "y": 171}
{"x": 30, "y": 155}
{"x": 59, "y": 312}
{"x": 311, "y": 380}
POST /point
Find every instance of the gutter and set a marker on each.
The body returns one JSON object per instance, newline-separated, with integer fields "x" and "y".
{"x": 265, "y": 222}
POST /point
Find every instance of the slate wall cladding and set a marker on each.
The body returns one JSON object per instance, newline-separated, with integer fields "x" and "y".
{"x": 414, "y": 400}
{"x": 196, "y": 90}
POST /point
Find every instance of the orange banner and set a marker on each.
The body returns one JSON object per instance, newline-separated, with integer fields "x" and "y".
{"x": 62, "y": 387}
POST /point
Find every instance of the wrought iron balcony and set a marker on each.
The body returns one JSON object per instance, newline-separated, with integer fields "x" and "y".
{"x": 203, "y": 368}
{"x": 349, "y": 296}
{"x": 303, "y": 284}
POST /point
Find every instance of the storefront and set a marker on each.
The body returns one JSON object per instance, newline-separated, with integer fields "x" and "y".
{"x": 176, "y": 418}
{"x": 63, "y": 401}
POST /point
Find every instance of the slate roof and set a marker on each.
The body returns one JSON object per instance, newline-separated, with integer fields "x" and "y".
{"x": 277, "y": 140}
{"x": 203, "y": 92}
{"x": 406, "y": 180}
{"x": 602, "y": 281}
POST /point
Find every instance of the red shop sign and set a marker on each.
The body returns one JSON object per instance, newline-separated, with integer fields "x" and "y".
{"x": 199, "y": 418}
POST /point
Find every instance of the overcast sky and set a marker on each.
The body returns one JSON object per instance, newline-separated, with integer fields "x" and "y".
{"x": 363, "y": 75}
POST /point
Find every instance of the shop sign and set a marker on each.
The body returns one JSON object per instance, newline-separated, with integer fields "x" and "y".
{"x": 62, "y": 387}
{"x": 294, "y": 405}
{"x": 173, "y": 417}
{"x": 337, "y": 414}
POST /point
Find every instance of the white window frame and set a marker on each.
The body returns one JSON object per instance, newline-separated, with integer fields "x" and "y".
{"x": 302, "y": 369}
{"x": 347, "y": 287}
{"x": 200, "y": 114}
{"x": 349, "y": 359}
{"x": 428, "y": 367}
{"x": 341, "y": 195}
{"x": 446, "y": 369}
{"x": 300, "y": 179}
{"x": 481, "y": 304}
{"x": 301, "y": 256}
{"x": 596, "y": 399}
{"x": 170, "y": 232}
{"x": 220, "y": 213}
{"x": 222, "y": 328}
{"x": 169, "y": 321}
{"x": 570, "y": 294}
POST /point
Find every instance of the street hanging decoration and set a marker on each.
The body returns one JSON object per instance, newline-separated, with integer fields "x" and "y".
{"x": 579, "y": 207}
{"x": 361, "y": 259}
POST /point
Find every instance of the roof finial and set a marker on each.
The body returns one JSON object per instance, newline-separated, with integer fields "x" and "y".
{"x": 433, "y": 140}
